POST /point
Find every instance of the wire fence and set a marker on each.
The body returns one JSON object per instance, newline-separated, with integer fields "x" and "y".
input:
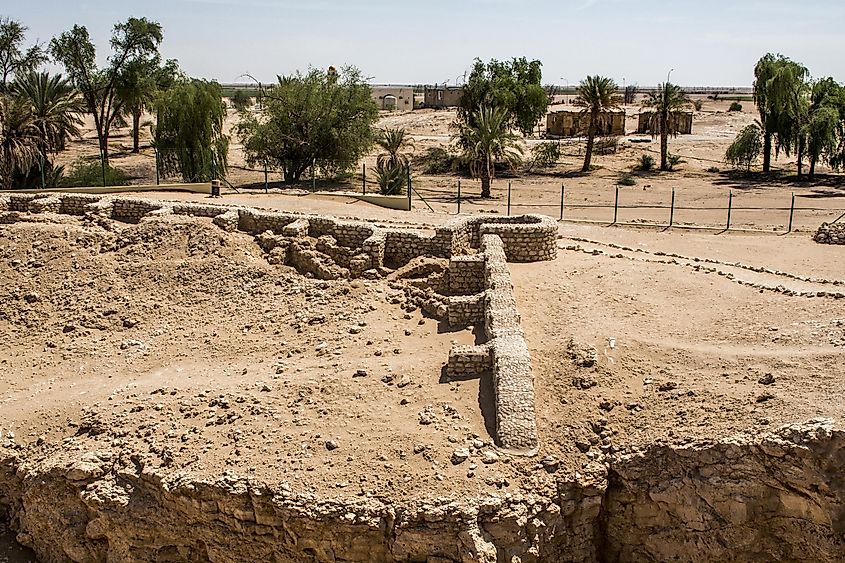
{"x": 666, "y": 208}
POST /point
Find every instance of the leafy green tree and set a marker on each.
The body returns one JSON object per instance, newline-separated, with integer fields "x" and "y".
{"x": 490, "y": 139}
{"x": 311, "y": 118}
{"x": 514, "y": 86}
{"x": 746, "y": 148}
{"x": 780, "y": 94}
{"x": 134, "y": 40}
{"x": 55, "y": 106}
{"x": 139, "y": 84}
{"x": 597, "y": 95}
{"x": 241, "y": 100}
{"x": 14, "y": 59}
{"x": 666, "y": 102}
{"x": 189, "y": 131}
{"x": 393, "y": 165}
{"x": 824, "y": 128}
{"x": 19, "y": 138}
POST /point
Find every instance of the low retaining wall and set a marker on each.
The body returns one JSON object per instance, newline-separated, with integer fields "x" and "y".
{"x": 199, "y": 188}
{"x": 525, "y": 238}
{"x": 831, "y": 233}
{"x": 504, "y": 356}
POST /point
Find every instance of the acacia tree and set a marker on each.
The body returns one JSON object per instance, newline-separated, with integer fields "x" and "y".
{"x": 134, "y": 40}
{"x": 513, "y": 86}
{"x": 596, "y": 95}
{"x": 666, "y": 102}
{"x": 189, "y": 131}
{"x": 316, "y": 118}
{"x": 489, "y": 139}
{"x": 14, "y": 58}
{"x": 137, "y": 88}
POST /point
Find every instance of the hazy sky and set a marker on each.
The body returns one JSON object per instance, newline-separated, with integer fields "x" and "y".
{"x": 707, "y": 42}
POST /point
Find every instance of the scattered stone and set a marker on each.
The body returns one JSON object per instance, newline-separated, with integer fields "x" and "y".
{"x": 668, "y": 386}
{"x": 582, "y": 355}
{"x": 459, "y": 456}
{"x": 360, "y": 373}
{"x": 489, "y": 457}
{"x": 332, "y": 445}
{"x": 767, "y": 379}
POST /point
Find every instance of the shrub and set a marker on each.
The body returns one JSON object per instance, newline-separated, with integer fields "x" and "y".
{"x": 438, "y": 160}
{"x": 606, "y": 145}
{"x": 626, "y": 179}
{"x": 735, "y": 106}
{"x": 544, "y": 155}
{"x": 645, "y": 164}
{"x": 714, "y": 170}
{"x": 672, "y": 160}
{"x": 241, "y": 100}
{"x": 746, "y": 148}
{"x": 698, "y": 104}
{"x": 90, "y": 174}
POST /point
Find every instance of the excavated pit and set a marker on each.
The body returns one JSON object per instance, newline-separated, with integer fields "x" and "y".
{"x": 186, "y": 386}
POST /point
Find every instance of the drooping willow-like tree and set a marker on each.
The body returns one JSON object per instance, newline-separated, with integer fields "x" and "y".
{"x": 189, "y": 134}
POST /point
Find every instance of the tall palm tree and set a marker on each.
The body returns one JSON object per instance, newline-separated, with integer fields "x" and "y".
{"x": 55, "y": 105}
{"x": 666, "y": 102}
{"x": 597, "y": 95}
{"x": 489, "y": 140}
{"x": 20, "y": 139}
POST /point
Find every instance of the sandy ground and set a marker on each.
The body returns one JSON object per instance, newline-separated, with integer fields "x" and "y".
{"x": 179, "y": 342}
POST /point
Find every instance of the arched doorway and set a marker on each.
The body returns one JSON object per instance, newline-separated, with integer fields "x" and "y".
{"x": 388, "y": 102}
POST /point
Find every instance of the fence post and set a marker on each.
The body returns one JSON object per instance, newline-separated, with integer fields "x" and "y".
{"x": 459, "y": 197}
{"x": 791, "y": 212}
{"x": 509, "y": 199}
{"x": 562, "y": 194}
{"x": 42, "y": 172}
{"x": 364, "y": 177}
{"x": 730, "y": 206}
{"x": 410, "y": 187}
{"x": 313, "y": 174}
{"x": 103, "y": 166}
{"x": 672, "y": 211}
{"x": 616, "y": 206}
{"x": 213, "y": 167}
{"x": 155, "y": 152}
{"x": 265, "y": 177}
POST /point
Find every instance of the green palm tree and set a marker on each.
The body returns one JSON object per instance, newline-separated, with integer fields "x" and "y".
{"x": 665, "y": 102}
{"x": 489, "y": 140}
{"x": 20, "y": 139}
{"x": 596, "y": 95}
{"x": 55, "y": 105}
{"x": 392, "y": 166}
{"x": 136, "y": 90}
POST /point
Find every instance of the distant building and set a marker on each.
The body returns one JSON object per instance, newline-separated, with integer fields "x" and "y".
{"x": 443, "y": 96}
{"x": 393, "y": 97}
{"x": 680, "y": 123}
{"x": 569, "y": 123}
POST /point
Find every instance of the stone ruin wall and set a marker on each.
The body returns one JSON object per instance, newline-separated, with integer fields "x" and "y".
{"x": 479, "y": 284}
{"x": 831, "y": 233}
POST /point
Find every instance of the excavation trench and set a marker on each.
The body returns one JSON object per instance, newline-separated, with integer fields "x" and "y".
{"x": 777, "y": 497}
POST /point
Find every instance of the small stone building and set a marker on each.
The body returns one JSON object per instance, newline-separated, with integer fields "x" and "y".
{"x": 680, "y": 123}
{"x": 569, "y": 123}
{"x": 393, "y": 97}
{"x": 442, "y": 96}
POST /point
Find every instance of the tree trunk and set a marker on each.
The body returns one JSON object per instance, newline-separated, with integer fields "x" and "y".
{"x": 591, "y": 137}
{"x": 767, "y": 152}
{"x": 486, "y": 175}
{"x": 664, "y": 143}
{"x": 136, "y": 121}
{"x": 800, "y": 157}
{"x": 812, "y": 166}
